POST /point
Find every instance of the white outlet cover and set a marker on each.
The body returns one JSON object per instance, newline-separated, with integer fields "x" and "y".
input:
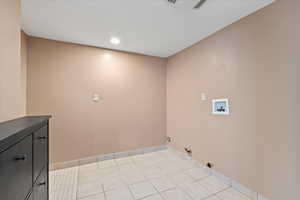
{"x": 203, "y": 96}
{"x": 96, "y": 97}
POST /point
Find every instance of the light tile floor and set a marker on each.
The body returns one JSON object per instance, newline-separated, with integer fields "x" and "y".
{"x": 159, "y": 175}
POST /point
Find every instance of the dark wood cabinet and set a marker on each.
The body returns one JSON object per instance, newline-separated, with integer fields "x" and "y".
{"x": 16, "y": 170}
{"x": 30, "y": 197}
{"x": 40, "y": 148}
{"x": 24, "y": 159}
{"x": 41, "y": 186}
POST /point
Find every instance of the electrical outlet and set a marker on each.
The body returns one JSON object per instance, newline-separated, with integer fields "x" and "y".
{"x": 169, "y": 139}
{"x": 172, "y": 1}
{"x": 96, "y": 97}
{"x": 210, "y": 165}
{"x": 203, "y": 96}
{"x": 188, "y": 150}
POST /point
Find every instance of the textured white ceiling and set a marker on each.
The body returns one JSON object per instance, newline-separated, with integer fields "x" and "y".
{"x": 150, "y": 27}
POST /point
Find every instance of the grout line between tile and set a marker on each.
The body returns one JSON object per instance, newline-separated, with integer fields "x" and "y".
{"x": 146, "y": 179}
{"x": 104, "y": 193}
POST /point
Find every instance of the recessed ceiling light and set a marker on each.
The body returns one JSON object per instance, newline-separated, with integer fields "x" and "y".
{"x": 107, "y": 56}
{"x": 115, "y": 40}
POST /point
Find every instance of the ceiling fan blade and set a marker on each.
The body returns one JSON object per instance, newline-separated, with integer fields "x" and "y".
{"x": 198, "y": 5}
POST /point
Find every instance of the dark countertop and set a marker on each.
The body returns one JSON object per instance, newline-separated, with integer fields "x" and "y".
{"x": 14, "y": 130}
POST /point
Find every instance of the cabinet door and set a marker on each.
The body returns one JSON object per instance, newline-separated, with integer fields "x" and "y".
{"x": 16, "y": 170}
{"x": 40, "y": 146}
{"x": 40, "y": 189}
{"x": 30, "y": 197}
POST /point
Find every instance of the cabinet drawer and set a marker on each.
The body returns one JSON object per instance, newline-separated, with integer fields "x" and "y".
{"x": 40, "y": 147}
{"x": 30, "y": 197}
{"x": 16, "y": 170}
{"x": 40, "y": 189}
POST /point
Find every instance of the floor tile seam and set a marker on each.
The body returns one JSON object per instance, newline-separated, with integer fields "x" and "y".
{"x": 105, "y": 197}
{"x": 159, "y": 192}
{"x": 131, "y": 192}
{"x": 216, "y": 193}
{"x": 90, "y": 195}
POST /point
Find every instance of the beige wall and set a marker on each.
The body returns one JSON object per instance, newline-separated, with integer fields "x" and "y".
{"x": 24, "y": 71}
{"x": 11, "y": 100}
{"x": 131, "y": 114}
{"x": 255, "y": 63}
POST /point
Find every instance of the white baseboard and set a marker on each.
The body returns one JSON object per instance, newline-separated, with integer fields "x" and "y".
{"x": 224, "y": 179}
{"x": 88, "y": 160}
{"x": 261, "y": 197}
{"x": 245, "y": 190}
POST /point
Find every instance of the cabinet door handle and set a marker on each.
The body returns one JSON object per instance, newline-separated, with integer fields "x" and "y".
{"x": 42, "y": 138}
{"x": 42, "y": 183}
{"x": 20, "y": 158}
